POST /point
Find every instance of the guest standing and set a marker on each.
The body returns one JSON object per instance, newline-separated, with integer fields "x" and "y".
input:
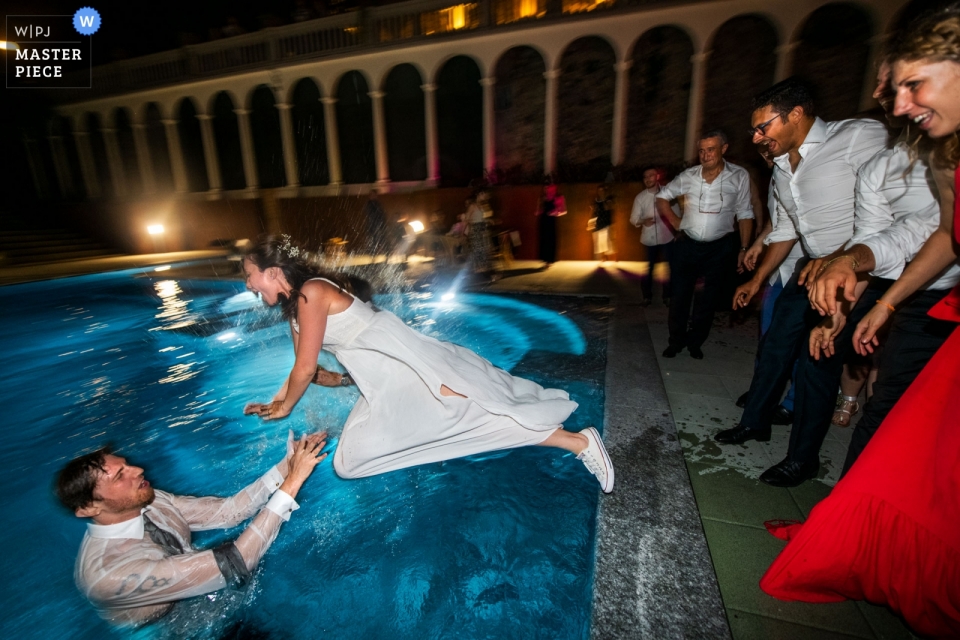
{"x": 550, "y": 207}
{"x": 601, "y": 222}
{"x": 656, "y": 233}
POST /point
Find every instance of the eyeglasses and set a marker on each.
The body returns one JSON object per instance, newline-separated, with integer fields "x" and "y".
{"x": 761, "y": 128}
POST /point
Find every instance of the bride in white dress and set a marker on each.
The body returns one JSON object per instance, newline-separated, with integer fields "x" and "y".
{"x": 422, "y": 400}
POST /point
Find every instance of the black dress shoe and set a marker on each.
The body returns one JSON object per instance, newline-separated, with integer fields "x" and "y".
{"x": 743, "y": 399}
{"x": 671, "y": 351}
{"x": 788, "y": 473}
{"x": 695, "y": 353}
{"x": 739, "y": 435}
{"x": 781, "y": 415}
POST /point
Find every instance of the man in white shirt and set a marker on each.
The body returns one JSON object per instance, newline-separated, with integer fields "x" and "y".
{"x": 897, "y": 211}
{"x": 716, "y": 200}
{"x": 656, "y": 234}
{"x": 136, "y": 559}
{"x": 815, "y": 173}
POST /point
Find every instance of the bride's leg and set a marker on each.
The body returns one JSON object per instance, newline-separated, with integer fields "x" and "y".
{"x": 572, "y": 442}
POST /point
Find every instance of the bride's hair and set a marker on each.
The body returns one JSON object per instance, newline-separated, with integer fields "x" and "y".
{"x": 293, "y": 261}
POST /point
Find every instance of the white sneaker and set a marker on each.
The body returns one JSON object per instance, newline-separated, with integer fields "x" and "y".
{"x": 596, "y": 460}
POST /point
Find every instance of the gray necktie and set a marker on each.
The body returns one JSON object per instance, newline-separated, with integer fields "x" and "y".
{"x": 162, "y": 537}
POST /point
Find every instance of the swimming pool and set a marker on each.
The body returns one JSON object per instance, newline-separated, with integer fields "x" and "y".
{"x": 494, "y": 546}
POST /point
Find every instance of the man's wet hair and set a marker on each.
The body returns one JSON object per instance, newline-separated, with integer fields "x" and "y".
{"x": 784, "y": 96}
{"x": 78, "y": 480}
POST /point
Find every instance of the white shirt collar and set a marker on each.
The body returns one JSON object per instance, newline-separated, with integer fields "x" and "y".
{"x": 816, "y": 135}
{"x": 132, "y": 528}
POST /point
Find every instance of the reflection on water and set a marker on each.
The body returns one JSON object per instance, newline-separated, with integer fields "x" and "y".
{"x": 498, "y": 545}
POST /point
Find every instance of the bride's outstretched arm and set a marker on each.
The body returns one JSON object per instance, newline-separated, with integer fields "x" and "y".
{"x": 312, "y": 311}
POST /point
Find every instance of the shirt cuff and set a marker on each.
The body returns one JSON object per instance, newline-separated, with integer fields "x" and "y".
{"x": 282, "y": 505}
{"x": 272, "y": 479}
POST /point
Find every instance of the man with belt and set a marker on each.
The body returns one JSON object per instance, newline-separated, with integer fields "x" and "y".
{"x": 815, "y": 174}
{"x": 136, "y": 559}
{"x": 716, "y": 228}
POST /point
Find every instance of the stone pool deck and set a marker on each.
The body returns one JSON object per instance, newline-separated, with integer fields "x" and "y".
{"x": 681, "y": 544}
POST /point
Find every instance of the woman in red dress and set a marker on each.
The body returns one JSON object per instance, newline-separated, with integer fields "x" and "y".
{"x": 889, "y": 532}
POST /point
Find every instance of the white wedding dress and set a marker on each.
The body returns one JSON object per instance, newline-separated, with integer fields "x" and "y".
{"x": 402, "y": 420}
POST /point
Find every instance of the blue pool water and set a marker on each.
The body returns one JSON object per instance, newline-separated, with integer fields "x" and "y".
{"x": 495, "y": 546}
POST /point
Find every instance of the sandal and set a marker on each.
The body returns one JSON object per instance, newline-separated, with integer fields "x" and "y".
{"x": 847, "y": 407}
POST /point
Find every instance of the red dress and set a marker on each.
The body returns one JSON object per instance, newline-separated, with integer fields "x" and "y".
{"x": 889, "y": 532}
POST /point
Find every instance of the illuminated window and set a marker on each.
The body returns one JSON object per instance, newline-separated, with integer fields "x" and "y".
{"x": 506, "y": 11}
{"x": 461, "y": 16}
{"x": 399, "y": 28}
{"x": 579, "y": 6}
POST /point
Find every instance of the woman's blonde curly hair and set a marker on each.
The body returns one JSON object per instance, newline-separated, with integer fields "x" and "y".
{"x": 935, "y": 38}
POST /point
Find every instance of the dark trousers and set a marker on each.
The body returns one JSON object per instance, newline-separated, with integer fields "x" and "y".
{"x": 818, "y": 380}
{"x": 656, "y": 254}
{"x": 714, "y": 261}
{"x": 788, "y": 331}
{"x": 913, "y": 339}
{"x": 548, "y": 238}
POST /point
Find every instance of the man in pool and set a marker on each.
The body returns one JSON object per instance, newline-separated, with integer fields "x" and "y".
{"x": 136, "y": 559}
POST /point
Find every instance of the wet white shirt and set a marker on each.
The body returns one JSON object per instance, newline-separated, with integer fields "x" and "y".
{"x": 711, "y": 209}
{"x": 897, "y": 210}
{"x": 645, "y": 208}
{"x": 131, "y": 579}
{"x": 818, "y": 198}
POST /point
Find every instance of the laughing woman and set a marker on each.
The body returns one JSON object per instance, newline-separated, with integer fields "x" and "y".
{"x": 421, "y": 400}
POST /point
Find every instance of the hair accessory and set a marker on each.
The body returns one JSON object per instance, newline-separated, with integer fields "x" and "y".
{"x": 288, "y": 247}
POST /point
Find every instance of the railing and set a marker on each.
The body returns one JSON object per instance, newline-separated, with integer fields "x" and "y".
{"x": 332, "y": 35}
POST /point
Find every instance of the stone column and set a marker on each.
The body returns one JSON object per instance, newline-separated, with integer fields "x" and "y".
{"x": 87, "y": 166}
{"x": 333, "y": 140}
{"x": 489, "y": 133}
{"x": 180, "y": 184}
{"x": 430, "y": 128}
{"x": 115, "y": 162}
{"x": 289, "y": 146}
{"x": 60, "y": 165}
{"x": 550, "y": 122}
{"x": 380, "y": 138}
{"x": 246, "y": 149}
{"x": 210, "y": 152}
{"x": 695, "y": 106}
{"x": 784, "y": 60}
{"x": 620, "y": 98}
{"x": 143, "y": 156}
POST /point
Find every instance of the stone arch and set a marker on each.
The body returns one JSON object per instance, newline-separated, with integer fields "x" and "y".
{"x": 519, "y": 104}
{"x": 832, "y": 56}
{"x": 460, "y": 121}
{"x": 403, "y": 113}
{"x": 355, "y": 129}
{"x": 226, "y": 134}
{"x": 659, "y": 97}
{"x": 267, "y": 140}
{"x": 61, "y": 126}
{"x": 98, "y": 148}
{"x": 191, "y": 146}
{"x": 585, "y": 95}
{"x": 742, "y": 63}
{"x": 159, "y": 151}
{"x": 129, "y": 165}
{"x": 309, "y": 133}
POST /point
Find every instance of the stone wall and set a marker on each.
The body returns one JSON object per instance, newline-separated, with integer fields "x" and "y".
{"x": 519, "y": 105}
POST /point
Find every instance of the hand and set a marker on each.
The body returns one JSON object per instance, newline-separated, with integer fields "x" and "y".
{"x": 740, "y": 260}
{"x": 304, "y": 459}
{"x": 823, "y": 292}
{"x": 744, "y": 294}
{"x": 865, "y": 335}
{"x": 284, "y": 465}
{"x": 823, "y": 335}
{"x": 810, "y": 271}
{"x": 326, "y": 378}
{"x": 752, "y": 255}
{"x": 649, "y": 222}
{"x": 268, "y": 411}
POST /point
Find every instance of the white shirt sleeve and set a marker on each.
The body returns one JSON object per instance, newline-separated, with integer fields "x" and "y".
{"x": 673, "y": 190}
{"x": 636, "y": 214}
{"x": 744, "y": 204}
{"x": 784, "y": 230}
{"x": 220, "y": 513}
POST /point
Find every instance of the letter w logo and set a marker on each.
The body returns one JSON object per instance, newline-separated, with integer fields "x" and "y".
{"x": 85, "y": 21}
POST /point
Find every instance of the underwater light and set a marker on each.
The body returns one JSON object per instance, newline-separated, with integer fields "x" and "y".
{"x": 229, "y": 335}
{"x": 155, "y": 229}
{"x": 448, "y": 296}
